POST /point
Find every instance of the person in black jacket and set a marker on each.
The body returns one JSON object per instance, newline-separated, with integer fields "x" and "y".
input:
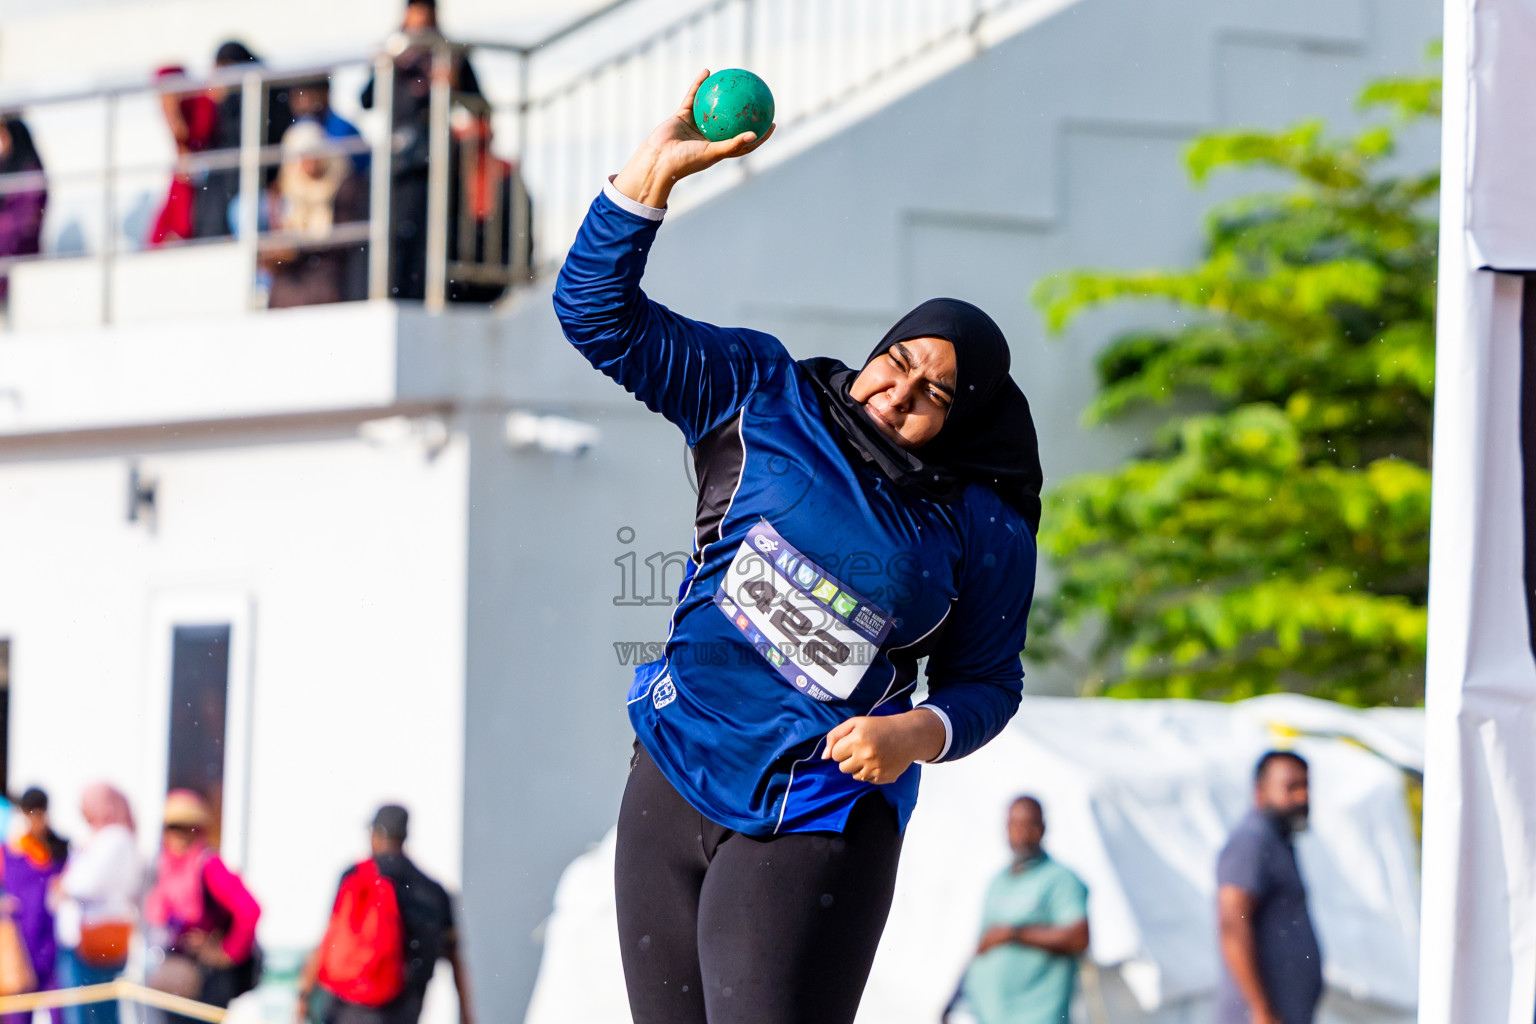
{"x": 412, "y": 122}
{"x": 220, "y": 185}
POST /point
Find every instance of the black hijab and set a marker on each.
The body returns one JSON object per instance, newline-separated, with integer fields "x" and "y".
{"x": 232, "y": 53}
{"x": 22, "y": 155}
{"x": 988, "y": 435}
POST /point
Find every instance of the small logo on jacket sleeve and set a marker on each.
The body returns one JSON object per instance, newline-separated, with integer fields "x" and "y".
{"x": 665, "y": 693}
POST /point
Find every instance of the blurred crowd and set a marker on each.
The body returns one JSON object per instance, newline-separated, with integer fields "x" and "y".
{"x": 319, "y": 183}
{"x": 71, "y": 912}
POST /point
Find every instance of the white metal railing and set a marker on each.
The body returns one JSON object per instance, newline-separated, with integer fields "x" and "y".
{"x": 581, "y": 122}
{"x": 565, "y": 111}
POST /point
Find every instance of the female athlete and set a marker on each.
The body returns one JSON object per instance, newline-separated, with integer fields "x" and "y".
{"x": 849, "y": 523}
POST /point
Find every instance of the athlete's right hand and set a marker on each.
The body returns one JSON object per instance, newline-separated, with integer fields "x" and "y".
{"x": 676, "y": 149}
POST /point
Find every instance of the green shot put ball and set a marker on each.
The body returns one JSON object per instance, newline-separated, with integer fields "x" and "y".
{"x": 731, "y": 102}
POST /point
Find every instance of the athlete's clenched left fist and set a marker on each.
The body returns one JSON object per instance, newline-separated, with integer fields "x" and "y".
{"x": 879, "y": 748}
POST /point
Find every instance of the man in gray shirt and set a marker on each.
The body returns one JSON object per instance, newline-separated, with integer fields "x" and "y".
{"x": 1273, "y": 967}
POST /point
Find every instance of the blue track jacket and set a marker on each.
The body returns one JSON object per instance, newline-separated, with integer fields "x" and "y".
{"x": 815, "y": 583}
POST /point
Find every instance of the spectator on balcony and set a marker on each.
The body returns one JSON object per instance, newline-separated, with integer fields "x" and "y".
{"x": 311, "y": 100}
{"x": 411, "y": 118}
{"x": 489, "y": 187}
{"x": 317, "y": 190}
{"x": 22, "y": 198}
{"x": 192, "y": 117}
{"x": 213, "y": 213}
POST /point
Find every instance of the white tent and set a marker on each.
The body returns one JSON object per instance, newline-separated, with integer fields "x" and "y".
{"x": 1139, "y": 796}
{"x": 1479, "y": 951}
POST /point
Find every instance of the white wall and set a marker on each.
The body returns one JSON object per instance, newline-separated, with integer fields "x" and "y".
{"x": 309, "y": 361}
{"x": 350, "y": 556}
{"x": 145, "y": 287}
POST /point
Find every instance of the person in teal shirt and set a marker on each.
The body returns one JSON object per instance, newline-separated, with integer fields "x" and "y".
{"x": 1034, "y": 927}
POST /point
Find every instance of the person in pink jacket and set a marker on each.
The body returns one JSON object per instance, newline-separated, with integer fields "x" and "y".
{"x": 198, "y": 909}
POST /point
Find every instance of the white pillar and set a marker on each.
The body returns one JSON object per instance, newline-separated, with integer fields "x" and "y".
{"x": 1478, "y": 946}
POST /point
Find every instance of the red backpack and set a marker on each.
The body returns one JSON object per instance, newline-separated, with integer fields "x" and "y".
{"x": 362, "y": 957}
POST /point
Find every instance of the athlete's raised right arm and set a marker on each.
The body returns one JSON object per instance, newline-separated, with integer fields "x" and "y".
{"x": 695, "y": 374}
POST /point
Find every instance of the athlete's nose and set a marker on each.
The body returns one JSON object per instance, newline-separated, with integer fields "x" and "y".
{"x": 901, "y": 394}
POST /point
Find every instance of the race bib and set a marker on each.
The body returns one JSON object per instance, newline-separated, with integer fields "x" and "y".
{"x": 820, "y": 636}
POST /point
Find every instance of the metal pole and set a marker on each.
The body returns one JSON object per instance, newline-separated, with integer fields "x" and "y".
{"x": 108, "y": 207}
{"x": 437, "y": 179}
{"x": 748, "y": 16}
{"x": 464, "y": 252}
{"x": 521, "y": 221}
{"x": 247, "y": 210}
{"x": 490, "y": 254}
{"x": 380, "y": 176}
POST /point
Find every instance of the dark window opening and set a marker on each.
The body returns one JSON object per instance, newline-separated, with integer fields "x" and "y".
{"x": 199, "y": 702}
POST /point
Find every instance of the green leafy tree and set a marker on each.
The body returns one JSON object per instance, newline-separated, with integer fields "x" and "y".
{"x": 1275, "y": 533}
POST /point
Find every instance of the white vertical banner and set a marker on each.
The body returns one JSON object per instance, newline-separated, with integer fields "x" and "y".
{"x": 1478, "y": 946}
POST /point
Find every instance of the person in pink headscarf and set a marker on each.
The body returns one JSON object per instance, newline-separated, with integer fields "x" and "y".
{"x": 200, "y": 912}
{"x": 101, "y": 884}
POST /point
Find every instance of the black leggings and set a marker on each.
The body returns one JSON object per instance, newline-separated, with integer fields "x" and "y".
{"x": 716, "y": 927}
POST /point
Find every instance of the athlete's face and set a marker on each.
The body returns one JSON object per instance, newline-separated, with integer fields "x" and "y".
{"x": 908, "y": 390}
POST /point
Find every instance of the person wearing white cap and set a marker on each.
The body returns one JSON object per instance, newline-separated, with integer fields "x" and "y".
{"x": 318, "y": 189}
